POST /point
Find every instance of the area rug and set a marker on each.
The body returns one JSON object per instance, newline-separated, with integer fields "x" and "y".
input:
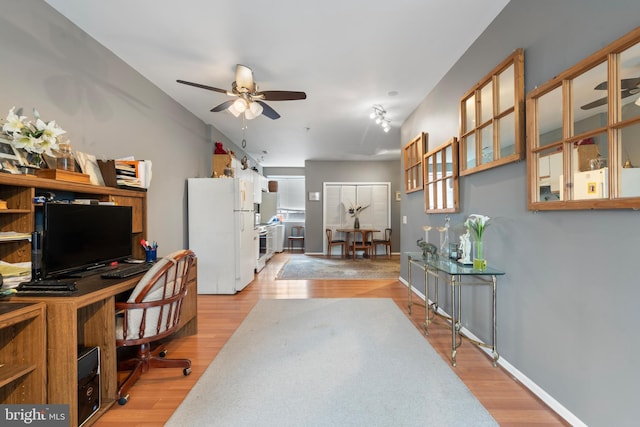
{"x": 310, "y": 267}
{"x": 329, "y": 362}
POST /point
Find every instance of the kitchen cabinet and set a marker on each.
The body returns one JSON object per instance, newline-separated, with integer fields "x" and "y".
{"x": 260, "y": 184}
{"x": 549, "y": 171}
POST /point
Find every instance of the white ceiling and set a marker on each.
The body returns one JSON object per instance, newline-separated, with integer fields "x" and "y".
{"x": 347, "y": 55}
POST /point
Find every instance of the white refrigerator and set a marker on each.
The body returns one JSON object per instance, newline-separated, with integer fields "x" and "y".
{"x": 221, "y": 233}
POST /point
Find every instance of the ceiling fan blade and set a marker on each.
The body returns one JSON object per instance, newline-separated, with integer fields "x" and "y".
{"x": 244, "y": 79}
{"x": 628, "y": 84}
{"x": 624, "y": 93}
{"x": 223, "y": 106}
{"x": 625, "y": 84}
{"x": 594, "y": 104}
{"x": 282, "y": 95}
{"x": 215, "y": 89}
{"x": 268, "y": 111}
{"x": 601, "y": 86}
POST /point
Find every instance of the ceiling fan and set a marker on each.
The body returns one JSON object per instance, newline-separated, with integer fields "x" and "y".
{"x": 628, "y": 87}
{"x": 248, "y": 99}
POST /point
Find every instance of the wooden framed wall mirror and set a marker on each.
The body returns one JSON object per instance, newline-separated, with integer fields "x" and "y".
{"x": 441, "y": 178}
{"x": 492, "y": 128}
{"x": 584, "y": 131}
{"x": 412, "y": 153}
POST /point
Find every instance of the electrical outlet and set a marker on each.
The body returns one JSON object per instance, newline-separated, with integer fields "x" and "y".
{"x": 404, "y": 219}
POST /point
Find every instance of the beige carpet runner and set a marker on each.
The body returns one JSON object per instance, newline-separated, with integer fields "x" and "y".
{"x": 329, "y": 362}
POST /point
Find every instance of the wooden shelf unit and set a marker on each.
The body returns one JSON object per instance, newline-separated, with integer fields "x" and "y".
{"x": 20, "y": 190}
{"x": 22, "y": 353}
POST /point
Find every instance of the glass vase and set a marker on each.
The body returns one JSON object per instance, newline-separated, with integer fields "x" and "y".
{"x": 479, "y": 260}
{"x": 356, "y": 223}
{"x": 65, "y": 160}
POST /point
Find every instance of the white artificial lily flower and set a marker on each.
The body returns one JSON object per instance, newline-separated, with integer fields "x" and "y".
{"x": 50, "y": 132}
{"x": 476, "y": 225}
{"x": 39, "y": 137}
{"x": 14, "y": 122}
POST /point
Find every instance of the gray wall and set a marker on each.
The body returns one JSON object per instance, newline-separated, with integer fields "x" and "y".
{"x": 319, "y": 172}
{"x": 567, "y": 307}
{"x": 105, "y": 106}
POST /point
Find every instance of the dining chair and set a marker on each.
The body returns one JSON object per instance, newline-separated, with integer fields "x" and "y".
{"x": 364, "y": 244}
{"x": 385, "y": 240}
{"x": 331, "y": 242}
{"x": 297, "y": 235}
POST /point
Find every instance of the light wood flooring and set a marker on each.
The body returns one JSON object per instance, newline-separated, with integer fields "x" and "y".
{"x": 158, "y": 393}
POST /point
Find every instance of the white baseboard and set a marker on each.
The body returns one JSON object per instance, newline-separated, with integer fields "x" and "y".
{"x": 527, "y": 382}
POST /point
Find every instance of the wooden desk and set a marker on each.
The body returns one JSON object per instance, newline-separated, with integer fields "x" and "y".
{"x": 364, "y": 232}
{"x": 88, "y": 319}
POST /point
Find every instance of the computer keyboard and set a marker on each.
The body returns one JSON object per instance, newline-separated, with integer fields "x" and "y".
{"x": 48, "y": 287}
{"x": 122, "y": 272}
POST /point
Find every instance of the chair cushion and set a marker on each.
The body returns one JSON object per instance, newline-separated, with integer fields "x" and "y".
{"x": 134, "y": 318}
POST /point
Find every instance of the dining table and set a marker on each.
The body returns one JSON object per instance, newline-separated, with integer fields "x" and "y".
{"x": 364, "y": 233}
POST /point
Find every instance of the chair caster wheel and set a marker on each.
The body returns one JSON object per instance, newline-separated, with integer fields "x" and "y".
{"x": 186, "y": 371}
{"x": 123, "y": 400}
{"x": 163, "y": 353}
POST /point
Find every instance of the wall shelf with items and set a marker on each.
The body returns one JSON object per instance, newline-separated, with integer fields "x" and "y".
{"x": 19, "y": 192}
{"x": 23, "y": 362}
{"x": 412, "y": 153}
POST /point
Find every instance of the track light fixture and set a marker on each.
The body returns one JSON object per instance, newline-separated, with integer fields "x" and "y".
{"x": 379, "y": 115}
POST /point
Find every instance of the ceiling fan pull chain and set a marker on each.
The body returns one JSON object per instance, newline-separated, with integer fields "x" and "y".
{"x": 244, "y": 127}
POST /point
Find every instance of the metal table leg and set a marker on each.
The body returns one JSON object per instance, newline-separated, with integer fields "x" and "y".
{"x": 494, "y": 345}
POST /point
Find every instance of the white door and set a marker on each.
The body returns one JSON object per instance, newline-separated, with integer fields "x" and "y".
{"x": 340, "y": 196}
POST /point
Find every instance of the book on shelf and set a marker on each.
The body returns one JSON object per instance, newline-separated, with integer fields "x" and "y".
{"x": 7, "y": 236}
{"x": 85, "y": 202}
{"x": 133, "y": 173}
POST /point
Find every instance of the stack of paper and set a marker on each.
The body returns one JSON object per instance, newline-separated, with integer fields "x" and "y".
{"x": 6, "y": 236}
{"x": 14, "y": 274}
{"x": 133, "y": 173}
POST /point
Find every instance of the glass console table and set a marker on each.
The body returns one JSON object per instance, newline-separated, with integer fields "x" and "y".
{"x": 456, "y": 275}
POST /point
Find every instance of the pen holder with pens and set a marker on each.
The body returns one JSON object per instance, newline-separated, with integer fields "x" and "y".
{"x": 150, "y": 254}
{"x": 150, "y": 250}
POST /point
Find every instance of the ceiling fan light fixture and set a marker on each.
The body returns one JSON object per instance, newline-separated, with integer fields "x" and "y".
{"x": 232, "y": 108}
{"x": 240, "y": 105}
{"x": 254, "y": 110}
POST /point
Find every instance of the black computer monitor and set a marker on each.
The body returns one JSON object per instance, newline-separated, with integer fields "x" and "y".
{"x": 82, "y": 237}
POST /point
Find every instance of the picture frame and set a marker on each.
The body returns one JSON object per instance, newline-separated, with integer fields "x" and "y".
{"x": 10, "y": 159}
{"x": 28, "y": 159}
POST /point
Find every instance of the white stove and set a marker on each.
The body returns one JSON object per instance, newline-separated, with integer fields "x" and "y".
{"x": 265, "y": 245}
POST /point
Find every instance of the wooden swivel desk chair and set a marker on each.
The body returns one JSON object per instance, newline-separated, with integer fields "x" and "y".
{"x": 151, "y": 313}
{"x": 386, "y": 241}
{"x": 297, "y": 235}
{"x": 331, "y": 242}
